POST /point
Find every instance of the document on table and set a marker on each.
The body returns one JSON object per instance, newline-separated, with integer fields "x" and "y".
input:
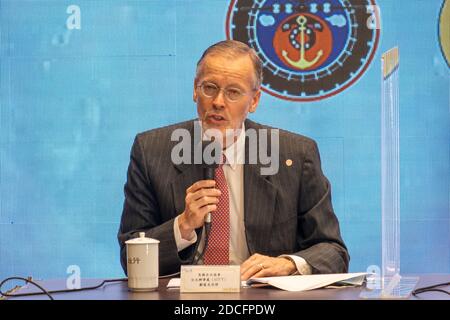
{"x": 300, "y": 282}
{"x": 310, "y": 282}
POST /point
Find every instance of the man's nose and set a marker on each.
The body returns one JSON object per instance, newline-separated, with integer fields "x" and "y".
{"x": 219, "y": 100}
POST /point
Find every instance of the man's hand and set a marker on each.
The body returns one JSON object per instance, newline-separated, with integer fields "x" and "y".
{"x": 201, "y": 198}
{"x": 264, "y": 266}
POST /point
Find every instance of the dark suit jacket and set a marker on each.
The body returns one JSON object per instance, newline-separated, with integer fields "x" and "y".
{"x": 286, "y": 213}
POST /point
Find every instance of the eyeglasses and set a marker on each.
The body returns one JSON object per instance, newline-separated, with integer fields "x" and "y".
{"x": 210, "y": 90}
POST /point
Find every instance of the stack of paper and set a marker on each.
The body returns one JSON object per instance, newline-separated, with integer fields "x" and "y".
{"x": 310, "y": 282}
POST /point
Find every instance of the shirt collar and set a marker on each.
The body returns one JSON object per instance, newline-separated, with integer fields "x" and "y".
{"x": 234, "y": 153}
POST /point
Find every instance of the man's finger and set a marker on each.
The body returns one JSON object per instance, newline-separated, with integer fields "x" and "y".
{"x": 204, "y": 184}
{"x": 200, "y": 184}
{"x": 203, "y": 201}
{"x": 264, "y": 273}
{"x": 210, "y": 192}
{"x": 252, "y": 270}
{"x": 250, "y": 261}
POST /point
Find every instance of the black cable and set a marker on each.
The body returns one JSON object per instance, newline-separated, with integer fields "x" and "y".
{"x": 436, "y": 290}
{"x": 169, "y": 275}
{"x": 432, "y": 288}
{"x": 201, "y": 254}
{"x": 6, "y": 294}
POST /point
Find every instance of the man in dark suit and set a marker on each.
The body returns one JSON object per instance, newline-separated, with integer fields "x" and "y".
{"x": 280, "y": 223}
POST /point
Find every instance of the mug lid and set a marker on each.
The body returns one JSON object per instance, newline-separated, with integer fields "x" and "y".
{"x": 142, "y": 240}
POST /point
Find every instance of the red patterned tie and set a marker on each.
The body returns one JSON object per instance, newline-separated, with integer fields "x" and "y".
{"x": 217, "y": 251}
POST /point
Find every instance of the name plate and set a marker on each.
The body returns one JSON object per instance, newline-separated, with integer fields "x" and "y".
{"x": 210, "y": 278}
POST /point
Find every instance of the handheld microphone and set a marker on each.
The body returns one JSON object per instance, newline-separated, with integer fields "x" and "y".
{"x": 208, "y": 174}
{"x": 210, "y": 162}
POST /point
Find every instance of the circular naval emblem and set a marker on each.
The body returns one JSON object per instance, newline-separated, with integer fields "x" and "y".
{"x": 310, "y": 49}
{"x": 444, "y": 30}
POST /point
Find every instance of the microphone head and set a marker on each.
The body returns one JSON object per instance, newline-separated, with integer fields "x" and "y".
{"x": 211, "y": 153}
{"x": 208, "y": 172}
{"x": 211, "y": 157}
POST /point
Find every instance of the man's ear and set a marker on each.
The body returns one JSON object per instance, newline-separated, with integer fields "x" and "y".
{"x": 194, "y": 95}
{"x": 255, "y": 101}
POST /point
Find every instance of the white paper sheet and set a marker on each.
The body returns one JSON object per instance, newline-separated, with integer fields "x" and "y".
{"x": 309, "y": 282}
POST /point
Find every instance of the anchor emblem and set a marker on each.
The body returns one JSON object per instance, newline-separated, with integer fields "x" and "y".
{"x": 302, "y": 63}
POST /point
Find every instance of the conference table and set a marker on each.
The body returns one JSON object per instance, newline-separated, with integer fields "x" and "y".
{"x": 119, "y": 291}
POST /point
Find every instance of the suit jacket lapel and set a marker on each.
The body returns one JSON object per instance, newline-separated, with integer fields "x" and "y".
{"x": 188, "y": 174}
{"x": 259, "y": 204}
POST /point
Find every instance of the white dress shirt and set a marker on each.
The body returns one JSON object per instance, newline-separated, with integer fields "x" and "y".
{"x": 234, "y": 173}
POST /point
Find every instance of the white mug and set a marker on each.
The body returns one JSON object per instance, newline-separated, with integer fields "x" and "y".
{"x": 142, "y": 263}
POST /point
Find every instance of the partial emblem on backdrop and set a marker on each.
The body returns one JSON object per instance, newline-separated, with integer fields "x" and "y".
{"x": 444, "y": 30}
{"x": 311, "y": 50}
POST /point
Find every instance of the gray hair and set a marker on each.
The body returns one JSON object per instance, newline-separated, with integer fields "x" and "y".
{"x": 233, "y": 49}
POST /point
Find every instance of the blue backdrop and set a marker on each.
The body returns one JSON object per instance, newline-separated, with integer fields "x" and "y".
{"x": 72, "y": 101}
